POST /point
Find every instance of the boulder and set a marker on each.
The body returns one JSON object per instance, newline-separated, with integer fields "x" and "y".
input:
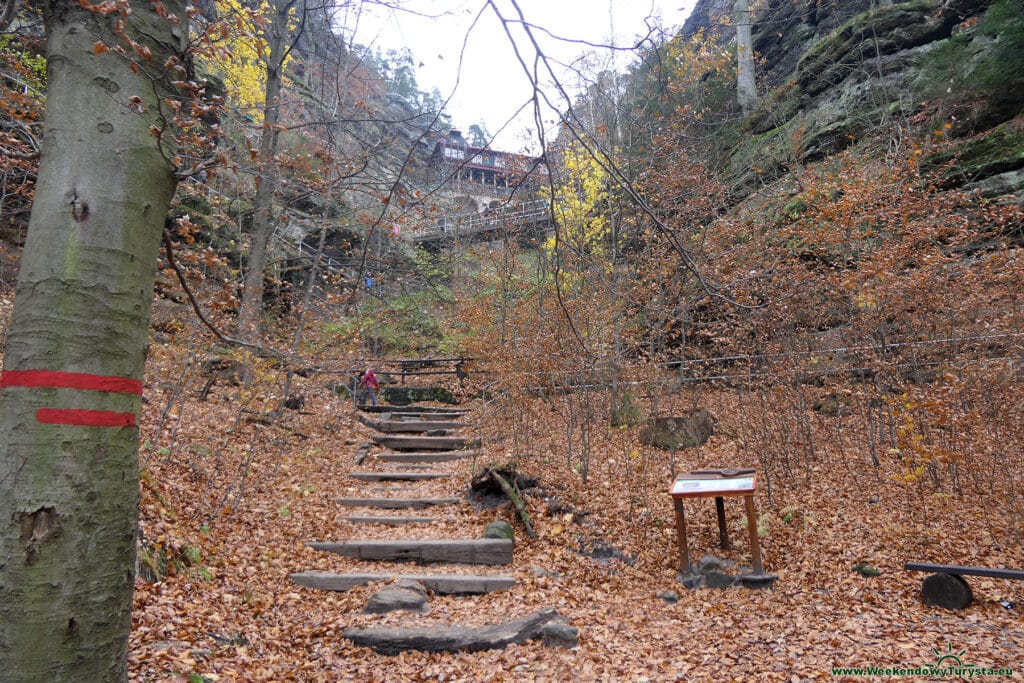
{"x": 718, "y": 579}
{"x": 560, "y": 634}
{"x": 404, "y": 595}
{"x": 499, "y": 530}
{"x": 684, "y": 431}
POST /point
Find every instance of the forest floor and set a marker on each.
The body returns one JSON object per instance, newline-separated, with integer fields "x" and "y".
{"x": 236, "y": 506}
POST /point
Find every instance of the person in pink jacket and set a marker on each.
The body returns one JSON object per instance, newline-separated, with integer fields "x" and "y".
{"x": 370, "y": 383}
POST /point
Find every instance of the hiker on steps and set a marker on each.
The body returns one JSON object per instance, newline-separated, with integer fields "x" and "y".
{"x": 370, "y": 384}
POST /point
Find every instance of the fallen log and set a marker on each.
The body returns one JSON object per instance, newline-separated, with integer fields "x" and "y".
{"x": 391, "y": 641}
{"x": 517, "y": 501}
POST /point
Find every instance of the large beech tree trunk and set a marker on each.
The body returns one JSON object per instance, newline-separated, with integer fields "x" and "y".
{"x": 70, "y": 392}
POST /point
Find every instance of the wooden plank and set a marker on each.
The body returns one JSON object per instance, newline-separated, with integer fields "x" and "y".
{"x": 406, "y": 410}
{"x": 396, "y": 503}
{"x": 426, "y": 443}
{"x": 394, "y": 521}
{"x": 426, "y": 417}
{"x": 992, "y": 573}
{"x": 439, "y": 456}
{"x": 398, "y": 476}
{"x": 449, "y": 584}
{"x": 391, "y": 641}
{"x": 449, "y": 551}
{"x": 416, "y": 426}
{"x": 372, "y": 424}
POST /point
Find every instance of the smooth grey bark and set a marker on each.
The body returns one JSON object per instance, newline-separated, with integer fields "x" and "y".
{"x": 69, "y": 493}
{"x": 746, "y": 88}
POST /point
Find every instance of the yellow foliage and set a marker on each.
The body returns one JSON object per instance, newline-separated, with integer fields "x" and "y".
{"x": 580, "y": 203}
{"x": 243, "y": 62}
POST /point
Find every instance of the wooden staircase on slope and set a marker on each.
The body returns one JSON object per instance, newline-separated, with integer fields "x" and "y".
{"x": 416, "y": 458}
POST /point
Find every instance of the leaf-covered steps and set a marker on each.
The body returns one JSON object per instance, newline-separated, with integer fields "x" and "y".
{"x": 451, "y": 584}
{"x": 446, "y": 551}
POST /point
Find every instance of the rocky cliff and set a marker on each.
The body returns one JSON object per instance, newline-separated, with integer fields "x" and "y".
{"x": 835, "y": 73}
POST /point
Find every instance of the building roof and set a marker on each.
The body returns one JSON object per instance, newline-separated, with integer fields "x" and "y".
{"x": 454, "y": 149}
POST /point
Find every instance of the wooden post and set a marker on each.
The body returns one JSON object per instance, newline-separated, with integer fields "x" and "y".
{"x": 684, "y": 553}
{"x": 723, "y": 532}
{"x": 755, "y": 547}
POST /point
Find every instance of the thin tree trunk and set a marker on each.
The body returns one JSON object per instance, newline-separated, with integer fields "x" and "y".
{"x": 251, "y": 308}
{"x": 70, "y": 392}
{"x": 746, "y": 88}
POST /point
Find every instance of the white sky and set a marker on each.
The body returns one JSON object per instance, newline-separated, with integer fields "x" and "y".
{"x": 492, "y": 85}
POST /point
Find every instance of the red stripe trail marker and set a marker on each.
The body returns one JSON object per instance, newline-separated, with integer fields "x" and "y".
{"x": 53, "y": 379}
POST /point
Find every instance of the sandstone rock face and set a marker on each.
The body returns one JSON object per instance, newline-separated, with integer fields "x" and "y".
{"x": 832, "y": 73}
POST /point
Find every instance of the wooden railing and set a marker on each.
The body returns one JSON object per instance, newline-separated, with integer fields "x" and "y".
{"x": 466, "y": 225}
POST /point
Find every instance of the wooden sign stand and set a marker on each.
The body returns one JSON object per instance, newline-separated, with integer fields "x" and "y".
{"x": 717, "y": 484}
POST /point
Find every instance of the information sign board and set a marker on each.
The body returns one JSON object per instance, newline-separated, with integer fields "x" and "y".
{"x": 703, "y": 486}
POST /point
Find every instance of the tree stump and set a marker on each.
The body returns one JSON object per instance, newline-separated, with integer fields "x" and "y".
{"x": 946, "y": 590}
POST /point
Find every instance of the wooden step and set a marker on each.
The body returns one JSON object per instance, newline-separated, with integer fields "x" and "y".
{"x": 454, "y": 584}
{"x": 398, "y": 476}
{"x": 396, "y": 503}
{"x": 414, "y": 410}
{"x": 449, "y": 551}
{"x": 394, "y": 521}
{"x": 425, "y": 417}
{"x": 439, "y": 456}
{"x": 390, "y": 426}
{"x": 426, "y": 443}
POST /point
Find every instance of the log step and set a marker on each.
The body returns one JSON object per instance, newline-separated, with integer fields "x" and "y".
{"x": 394, "y": 521}
{"x": 413, "y": 410}
{"x": 396, "y": 503}
{"x": 442, "y": 456}
{"x": 452, "y": 584}
{"x": 425, "y": 443}
{"x": 398, "y": 476}
{"x": 412, "y": 423}
{"x": 391, "y": 641}
{"x": 449, "y": 551}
